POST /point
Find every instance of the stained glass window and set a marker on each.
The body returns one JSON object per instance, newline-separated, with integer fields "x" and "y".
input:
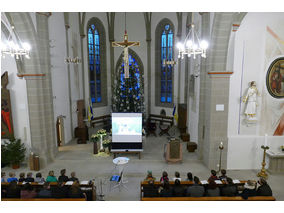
{"x": 166, "y": 69}
{"x": 94, "y": 63}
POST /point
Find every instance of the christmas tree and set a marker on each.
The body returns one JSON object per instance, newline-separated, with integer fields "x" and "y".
{"x": 128, "y": 93}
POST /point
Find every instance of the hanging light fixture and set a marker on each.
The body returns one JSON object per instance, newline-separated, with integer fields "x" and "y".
{"x": 10, "y": 47}
{"x": 192, "y": 45}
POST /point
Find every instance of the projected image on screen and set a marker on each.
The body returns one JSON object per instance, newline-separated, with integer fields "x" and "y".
{"x": 126, "y": 127}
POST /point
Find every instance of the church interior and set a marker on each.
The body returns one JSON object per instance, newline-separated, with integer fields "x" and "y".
{"x": 207, "y": 90}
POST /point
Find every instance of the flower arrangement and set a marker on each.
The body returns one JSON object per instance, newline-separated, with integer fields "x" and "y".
{"x": 106, "y": 143}
{"x": 100, "y": 133}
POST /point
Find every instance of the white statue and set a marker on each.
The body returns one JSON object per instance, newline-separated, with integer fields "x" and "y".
{"x": 250, "y": 99}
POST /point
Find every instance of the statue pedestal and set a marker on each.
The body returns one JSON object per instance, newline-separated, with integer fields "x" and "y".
{"x": 276, "y": 162}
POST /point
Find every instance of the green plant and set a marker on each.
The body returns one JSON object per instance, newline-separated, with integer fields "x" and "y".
{"x": 100, "y": 133}
{"x": 15, "y": 151}
{"x": 106, "y": 143}
{"x": 4, "y": 158}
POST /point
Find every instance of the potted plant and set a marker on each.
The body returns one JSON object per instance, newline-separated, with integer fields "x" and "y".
{"x": 15, "y": 152}
{"x": 106, "y": 145}
{"x": 4, "y": 158}
{"x": 98, "y": 137}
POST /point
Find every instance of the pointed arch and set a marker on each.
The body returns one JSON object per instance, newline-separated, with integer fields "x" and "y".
{"x": 164, "y": 51}
{"x": 96, "y": 45}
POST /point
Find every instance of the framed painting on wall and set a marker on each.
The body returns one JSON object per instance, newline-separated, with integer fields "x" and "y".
{"x": 275, "y": 78}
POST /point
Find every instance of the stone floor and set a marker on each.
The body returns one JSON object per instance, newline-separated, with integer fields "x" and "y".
{"x": 79, "y": 158}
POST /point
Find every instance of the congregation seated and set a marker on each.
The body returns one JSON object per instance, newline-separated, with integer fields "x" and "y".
{"x": 264, "y": 189}
{"x": 164, "y": 177}
{"x": 150, "y": 190}
{"x": 195, "y": 190}
{"x": 45, "y": 192}
{"x": 165, "y": 190}
{"x": 73, "y": 177}
{"x": 213, "y": 175}
{"x": 3, "y": 177}
{"x": 63, "y": 177}
{"x": 249, "y": 189}
{"x": 177, "y": 190}
{"x": 212, "y": 189}
{"x": 149, "y": 176}
{"x": 223, "y": 175}
{"x": 30, "y": 177}
{"x": 59, "y": 191}
{"x": 13, "y": 191}
{"x": 229, "y": 190}
{"x": 51, "y": 177}
{"x": 12, "y": 177}
{"x": 177, "y": 176}
{"x": 22, "y": 177}
{"x": 28, "y": 191}
{"x": 39, "y": 178}
{"x": 189, "y": 176}
{"x": 75, "y": 191}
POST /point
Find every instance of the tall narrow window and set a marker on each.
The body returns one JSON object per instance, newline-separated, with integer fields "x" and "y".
{"x": 164, "y": 50}
{"x": 97, "y": 62}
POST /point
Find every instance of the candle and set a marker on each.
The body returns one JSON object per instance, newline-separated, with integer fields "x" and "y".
{"x": 265, "y": 140}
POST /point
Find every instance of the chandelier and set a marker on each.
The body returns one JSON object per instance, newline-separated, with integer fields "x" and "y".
{"x": 12, "y": 48}
{"x": 192, "y": 45}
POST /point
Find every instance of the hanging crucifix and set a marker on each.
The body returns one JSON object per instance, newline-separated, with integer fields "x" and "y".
{"x": 125, "y": 44}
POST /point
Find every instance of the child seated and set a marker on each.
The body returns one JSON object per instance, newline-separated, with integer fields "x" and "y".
{"x": 177, "y": 176}
{"x": 149, "y": 176}
{"x": 30, "y": 177}
{"x": 164, "y": 177}
{"x": 22, "y": 177}
{"x": 39, "y": 178}
{"x": 3, "y": 177}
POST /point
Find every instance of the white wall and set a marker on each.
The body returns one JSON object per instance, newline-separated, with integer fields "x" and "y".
{"x": 18, "y": 96}
{"x": 250, "y": 63}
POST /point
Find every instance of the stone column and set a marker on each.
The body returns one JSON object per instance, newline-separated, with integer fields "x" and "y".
{"x": 147, "y": 17}
{"x": 82, "y": 36}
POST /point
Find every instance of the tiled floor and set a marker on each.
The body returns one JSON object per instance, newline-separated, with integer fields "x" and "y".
{"x": 79, "y": 158}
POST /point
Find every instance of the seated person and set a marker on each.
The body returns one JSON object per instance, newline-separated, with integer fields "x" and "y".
{"x": 45, "y": 192}
{"x": 63, "y": 177}
{"x": 164, "y": 177}
{"x": 177, "y": 176}
{"x": 223, "y": 175}
{"x": 75, "y": 191}
{"x": 28, "y": 191}
{"x": 22, "y": 177}
{"x": 229, "y": 189}
{"x": 213, "y": 175}
{"x": 30, "y": 177}
{"x": 13, "y": 191}
{"x": 212, "y": 189}
{"x": 178, "y": 190}
{"x": 51, "y": 177}
{"x": 73, "y": 177}
{"x": 12, "y": 177}
{"x": 165, "y": 190}
{"x": 264, "y": 189}
{"x": 150, "y": 190}
{"x": 189, "y": 177}
{"x": 59, "y": 191}
{"x": 39, "y": 178}
{"x": 249, "y": 189}
{"x": 195, "y": 190}
{"x": 149, "y": 176}
{"x": 3, "y": 177}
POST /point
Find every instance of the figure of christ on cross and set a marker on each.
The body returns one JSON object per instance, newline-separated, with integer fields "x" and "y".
{"x": 125, "y": 44}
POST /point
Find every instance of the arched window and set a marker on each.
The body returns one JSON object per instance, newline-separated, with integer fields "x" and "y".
{"x": 97, "y": 62}
{"x": 128, "y": 94}
{"x": 164, "y": 53}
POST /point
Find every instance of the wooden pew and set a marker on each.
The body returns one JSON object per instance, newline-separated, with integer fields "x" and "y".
{"x": 43, "y": 199}
{"x": 237, "y": 198}
{"x": 105, "y": 120}
{"x": 187, "y": 183}
{"x": 84, "y": 187}
{"x": 161, "y": 120}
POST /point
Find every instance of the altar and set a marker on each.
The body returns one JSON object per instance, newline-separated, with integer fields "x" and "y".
{"x": 276, "y": 161}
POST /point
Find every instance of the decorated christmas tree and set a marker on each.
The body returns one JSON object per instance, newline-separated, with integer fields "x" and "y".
{"x": 128, "y": 93}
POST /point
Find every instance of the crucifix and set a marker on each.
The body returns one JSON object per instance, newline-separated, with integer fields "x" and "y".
{"x": 125, "y": 44}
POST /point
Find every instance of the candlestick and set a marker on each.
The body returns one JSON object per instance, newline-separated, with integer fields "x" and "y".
{"x": 263, "y": 173}
{"x": 265, "y": 140}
